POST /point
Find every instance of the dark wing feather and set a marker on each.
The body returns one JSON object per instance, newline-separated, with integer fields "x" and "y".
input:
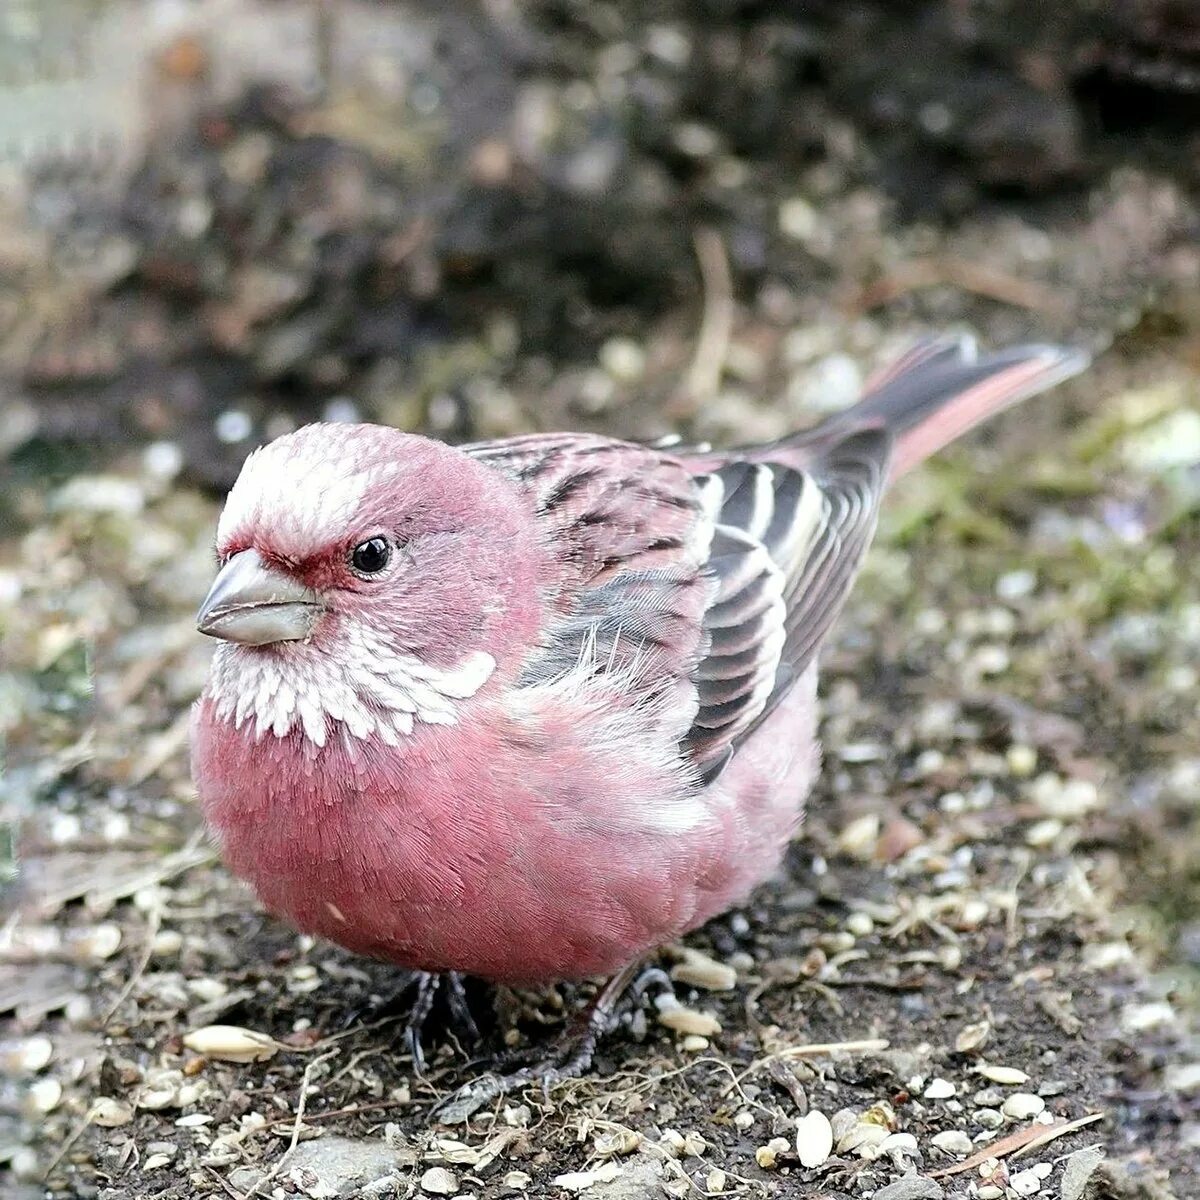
{"x": 719, "y": 585}
{"x": 631, "y": 538}
{"x": 788, "y": 544}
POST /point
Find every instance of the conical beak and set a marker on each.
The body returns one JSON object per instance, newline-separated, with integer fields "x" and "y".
{"x": 254, "y": 604}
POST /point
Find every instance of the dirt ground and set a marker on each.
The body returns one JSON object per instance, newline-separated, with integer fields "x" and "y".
{"x": 981, "y": 963}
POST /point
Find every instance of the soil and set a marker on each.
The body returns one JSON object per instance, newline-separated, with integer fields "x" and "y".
{"x": 712, "y": 219}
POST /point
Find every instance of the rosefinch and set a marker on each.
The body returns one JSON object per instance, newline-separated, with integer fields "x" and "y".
{"x": 530, "y": 708}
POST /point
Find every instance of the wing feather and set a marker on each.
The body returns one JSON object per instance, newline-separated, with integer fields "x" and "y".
{"x": 723, "y": 582}
{"x": 715, "y": 577}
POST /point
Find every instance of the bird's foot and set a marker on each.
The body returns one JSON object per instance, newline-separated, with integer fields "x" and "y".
{"x": 424, "y": 987}
{"x": 572, "y": 1054}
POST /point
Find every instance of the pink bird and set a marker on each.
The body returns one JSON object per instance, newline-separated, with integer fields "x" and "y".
{"x": 531, "y": 708}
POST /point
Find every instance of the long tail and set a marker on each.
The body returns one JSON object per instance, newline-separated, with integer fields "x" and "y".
{"x": 942, "y": 388}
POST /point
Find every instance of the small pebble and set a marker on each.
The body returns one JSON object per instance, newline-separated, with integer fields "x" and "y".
{"x": 110, "y": 1113}
{"x": 989, "y": 1118}
{"x": 97, "y": 943}
{"x": 207, "y": 989}
{"x": 26, "y": 1056}
{"x": 44, "y": 1095}
{"x": 972, "y": 1037}
{"x": 439, "y": 1181}
{"x": 1022, "y": 760}
{"x": 1143, "y": 1018}
{"x": 939, "y": 1089}
{"x": 911, "y": 1187}
{"x": 989, "y": 1191}
{"x": 842, "y": 1122}
{"x": 23, "y": 1163}
{"x": 1183, "y": 1077}
{"x": 858, "y": 839}
{"x": 859, "y": 924}
{"x": 1016, "y": 585}
{"x": 1025, "y": 1183}
{"x": 1020, "y": 1106}
{"x": 798, "y": 219}
{"x": 1078, "y": 797}
{"x": 953, "y": 1141}
{"x": 167, "y": 942}
{"x": 768, "y": 1155}
{"x": 232, "y": 426}
{"x": 898, "y": 1143}
{"x": 1043, "y": 833}
{"x": 623, "y": 359}
{"x": 1106, "y": 956}
{"x": 991, "y": 660}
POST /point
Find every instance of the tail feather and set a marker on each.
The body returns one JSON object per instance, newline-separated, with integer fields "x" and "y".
{"x": 932, "y": 394}
{"x": 941, "y": 389}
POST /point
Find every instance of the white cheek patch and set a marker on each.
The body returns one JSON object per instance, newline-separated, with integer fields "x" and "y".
{"x": 360, "y": 684}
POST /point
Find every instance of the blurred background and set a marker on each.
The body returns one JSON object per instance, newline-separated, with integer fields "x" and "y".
{"x": 220, "y": 219}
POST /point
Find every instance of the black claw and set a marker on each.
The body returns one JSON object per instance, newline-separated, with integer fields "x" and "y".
{"x": 571, "y": 1058}
{"x": 651, "y": 977}
{"x": 426, "y": 986}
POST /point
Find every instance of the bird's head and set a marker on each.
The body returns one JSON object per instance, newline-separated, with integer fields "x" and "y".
{"x": 367, "y": 577}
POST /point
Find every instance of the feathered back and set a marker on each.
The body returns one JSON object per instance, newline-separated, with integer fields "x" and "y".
{"x": 715, "y": 577}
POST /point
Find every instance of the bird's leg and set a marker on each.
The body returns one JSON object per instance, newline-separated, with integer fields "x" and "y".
{"x": 427, "y": 990}
{"x": 575, "y": 1050}
{"x": 424, "y": 986}
{"x": 459, "y": 1008}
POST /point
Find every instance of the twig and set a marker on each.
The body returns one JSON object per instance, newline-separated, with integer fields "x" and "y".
{"x": 816, "y": 1049}
{"x": 297, "y": 1125}
{"x": 1024, "y": 1139}
{"x": 970, "y": 277}
{"x": 1053, "y": 1132}
{"x": 152, "y": 928}
{"x": 716, "y": 323}
{"x": 226, "y": 1186}
{"x": 161, "y": 748}
{"x": 72, "y": 1138}
{"x": 193, "y": 854}
{"x": 912, "y": 983}
{"x": 351, "y": 1110}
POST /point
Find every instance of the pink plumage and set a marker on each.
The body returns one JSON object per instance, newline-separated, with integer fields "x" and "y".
{"x": 529, "y": 709}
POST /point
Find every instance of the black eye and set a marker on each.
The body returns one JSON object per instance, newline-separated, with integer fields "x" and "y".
{"x": 370, "y": 557}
